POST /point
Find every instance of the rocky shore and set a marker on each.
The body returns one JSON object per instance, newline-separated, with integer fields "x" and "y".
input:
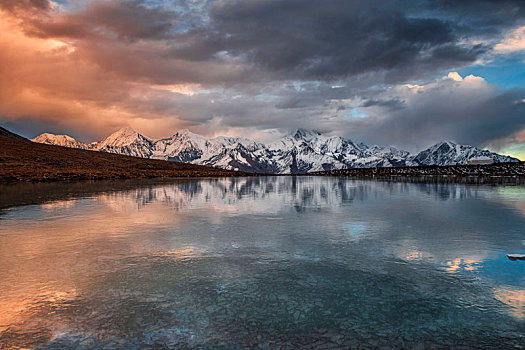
{"x": 488, "y": 173}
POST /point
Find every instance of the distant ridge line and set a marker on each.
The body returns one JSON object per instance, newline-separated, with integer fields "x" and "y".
{"x": 300, "y": 152}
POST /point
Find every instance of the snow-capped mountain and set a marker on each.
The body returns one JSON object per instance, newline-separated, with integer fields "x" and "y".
{"x": 305, "y": 151}
{"x": 300, "y": 152}
{"x": 223, "y": 152}
{"x": 450, "y": 153}
{"x": 61, "y": 140}
{"x": 385, "y": 157}
{"x": 126, "y": 141}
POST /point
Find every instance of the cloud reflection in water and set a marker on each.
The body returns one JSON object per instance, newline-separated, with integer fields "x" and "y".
{"x": 173, "y": 262}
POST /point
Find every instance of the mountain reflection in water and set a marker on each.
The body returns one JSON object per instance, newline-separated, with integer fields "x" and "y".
{"x": 261, "y": 261}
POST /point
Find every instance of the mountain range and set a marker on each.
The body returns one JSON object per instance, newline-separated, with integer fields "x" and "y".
{"x": 299, "y": 152}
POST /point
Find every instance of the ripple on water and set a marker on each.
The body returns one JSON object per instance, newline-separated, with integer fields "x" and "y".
{"x": 316, "y": 263}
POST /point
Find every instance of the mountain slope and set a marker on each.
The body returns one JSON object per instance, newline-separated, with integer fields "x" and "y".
{"x": 7, "y": 133}
{"x": 300, "y": 152}
{"x": 450, "y": 153}
{"x": 126, "y": 141}
{"x": 23, "y": 160}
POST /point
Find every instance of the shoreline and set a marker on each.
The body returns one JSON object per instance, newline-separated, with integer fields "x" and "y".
{"x": 441, "y": 179}
{"x": 72, "y": 177}
{"x": 496, "y": 173}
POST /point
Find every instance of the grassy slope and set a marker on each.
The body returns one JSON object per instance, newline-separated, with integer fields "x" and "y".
{"x": 22, "y": 160}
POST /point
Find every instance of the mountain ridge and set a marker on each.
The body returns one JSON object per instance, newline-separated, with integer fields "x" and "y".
{"x": 25, "y": 161}
{"x": 6, "y": 133}
{"x": 299, "y": 152}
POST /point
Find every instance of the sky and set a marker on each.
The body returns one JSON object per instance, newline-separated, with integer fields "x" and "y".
{"x": 402, "y": 73}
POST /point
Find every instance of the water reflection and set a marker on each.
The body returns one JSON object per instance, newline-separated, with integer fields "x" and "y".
{"x": 462, "y": 264}
{"x": 288, "y": 261}
{"x": 514, "y": 298}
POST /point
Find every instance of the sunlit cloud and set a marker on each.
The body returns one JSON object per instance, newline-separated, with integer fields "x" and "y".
{"x": 514, "y": 41}
{"x": 184, "y": 89}
{"x": 89, "y": 67}
{"x": 454, "y": 76}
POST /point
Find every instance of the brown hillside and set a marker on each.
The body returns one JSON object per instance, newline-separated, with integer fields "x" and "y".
{"x": 7, "y": 133}
{"x": 23, "y": 161}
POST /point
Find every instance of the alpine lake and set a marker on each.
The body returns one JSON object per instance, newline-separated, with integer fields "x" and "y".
{"x": 262, "y": 262}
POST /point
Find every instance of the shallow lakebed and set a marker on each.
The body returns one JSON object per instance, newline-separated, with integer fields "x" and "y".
{"x": 261, "y": 262}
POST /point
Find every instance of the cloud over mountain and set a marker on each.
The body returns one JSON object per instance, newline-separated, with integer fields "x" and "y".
{"x": 261, "y": 67}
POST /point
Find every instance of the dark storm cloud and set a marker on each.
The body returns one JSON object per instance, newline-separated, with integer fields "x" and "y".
{"x": 471, "y": 112}
{"x": 121, "y": 20}
{"x": 272, "y": 64}
{"x": 485, "y": 12}
{"x": 390, "y": 103}
{"x": 308, "y": 39}
{"x": 270, "y": 40}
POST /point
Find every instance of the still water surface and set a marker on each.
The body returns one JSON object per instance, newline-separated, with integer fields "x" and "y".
{"x": 270, "y": 262}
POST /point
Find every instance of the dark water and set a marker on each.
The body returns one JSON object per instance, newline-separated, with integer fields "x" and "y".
{"x": 286, "y": 262}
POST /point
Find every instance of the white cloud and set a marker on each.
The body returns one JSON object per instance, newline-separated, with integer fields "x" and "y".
{"x": 465, "y": 109}
{"x": 413, "y": 87}
{"x": 454, "y": 76}
{"x": 469, "y": 79}
{"x": 472, "y": 79}
{"x": 514, "y": 41}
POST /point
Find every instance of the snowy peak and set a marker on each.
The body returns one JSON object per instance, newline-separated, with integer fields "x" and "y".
{"x": 302, "y": 134}
{"x": 126, "y": 141}
{"x": 451, "y": 153}
{"x": 299, "y": 152}
{"x": 446, "y": 147}
{"x": 51, "y": 138}
{"x": 386, "y": 151}
{"x": 60, "y": 140}
{"x": 186, "y": 134}
{"x": 123, "y": 137}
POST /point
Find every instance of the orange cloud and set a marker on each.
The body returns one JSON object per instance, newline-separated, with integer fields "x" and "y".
{"x": 57, "y": 80}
